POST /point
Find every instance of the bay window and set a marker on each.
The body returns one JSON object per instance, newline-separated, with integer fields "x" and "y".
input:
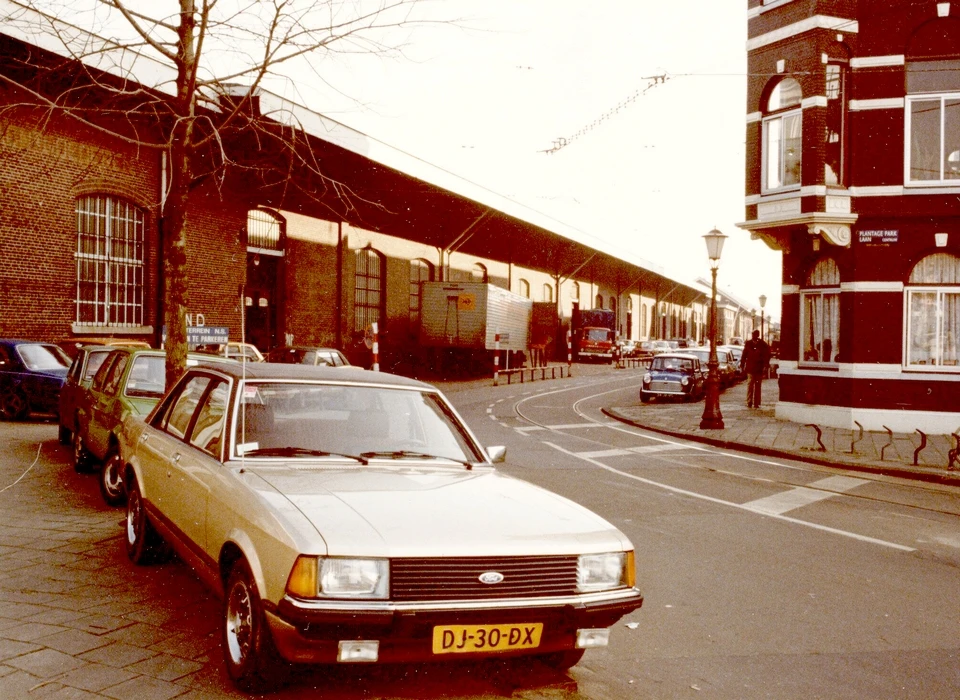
{"x": 933, "y": 313}
{"x": 782, "y": 137}
{"x": 933, "y": 128}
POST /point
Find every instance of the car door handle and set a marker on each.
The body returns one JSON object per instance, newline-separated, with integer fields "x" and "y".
{"x": 143, "y": 438}
{"x": 176, "y": 457}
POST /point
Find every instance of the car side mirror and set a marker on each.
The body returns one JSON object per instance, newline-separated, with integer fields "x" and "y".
{"x": 497, "y": 454}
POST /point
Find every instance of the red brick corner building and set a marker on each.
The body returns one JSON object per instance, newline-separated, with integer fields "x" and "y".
{"x": 853, "y": 171}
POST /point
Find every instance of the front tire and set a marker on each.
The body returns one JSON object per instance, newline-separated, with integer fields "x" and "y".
{"x": 645, "y": 398}
{"x": 111, "y": 479}
{"x": 64, "y": 435}
{"x": 251, "y": 658}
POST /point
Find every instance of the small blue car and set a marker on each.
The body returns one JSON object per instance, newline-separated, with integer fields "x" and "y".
{"x": 31, "y": 376}
{"x": 673, "y": 374}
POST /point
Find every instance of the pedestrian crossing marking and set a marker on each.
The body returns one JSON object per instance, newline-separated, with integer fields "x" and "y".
{"x": 628, "y": 451}
{"x": 784, "y": 502}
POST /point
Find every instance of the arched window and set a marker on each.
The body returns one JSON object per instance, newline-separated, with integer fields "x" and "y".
{"x": 599, "y": 302}
{"x": 368, "y": 293}
{"x": 524, "y": 288}
{"x": 782, "y": 136}
{"x": 547, "y": 291}
{"x": 479, "y": 273}
{"x": 933, "y": 313}
{"x": 264, "y": 231}
{"x": 110, "y": 261}
{"x": 820, "y": 314}
{"x": 420, "y": 271}
{"x": 575, "y": 291}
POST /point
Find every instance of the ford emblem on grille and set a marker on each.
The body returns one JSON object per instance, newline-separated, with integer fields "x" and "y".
{"x": 491, "y": 577}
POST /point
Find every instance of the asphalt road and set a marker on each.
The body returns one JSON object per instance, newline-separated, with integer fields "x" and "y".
{"x": 763, "y": 578}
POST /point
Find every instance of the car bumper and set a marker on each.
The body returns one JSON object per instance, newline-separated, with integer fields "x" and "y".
{"x": 314, "y": 633}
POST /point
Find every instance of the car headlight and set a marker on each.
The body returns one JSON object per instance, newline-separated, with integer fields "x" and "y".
{"x": 323, "y": 577}
{"x": 685, "y": 381}
{"x": 647, "y": 378}
{"x": 600, "y": 572}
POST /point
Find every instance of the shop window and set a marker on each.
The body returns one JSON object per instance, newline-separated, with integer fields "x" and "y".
{"x": 368, "y": 294}
{"x": 110, "y": 262}
{"x": 820, "y": 315}
{"x": 782, "y": 137}
{"x": 933, "y": 314}
{"x": 420, "y": 271}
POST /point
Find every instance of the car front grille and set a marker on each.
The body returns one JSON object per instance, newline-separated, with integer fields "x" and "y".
{"x": 453, "y": 578}
{"x": 666, "y": 387}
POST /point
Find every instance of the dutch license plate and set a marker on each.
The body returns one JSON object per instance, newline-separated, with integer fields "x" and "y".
{"x": 464, "y": 639}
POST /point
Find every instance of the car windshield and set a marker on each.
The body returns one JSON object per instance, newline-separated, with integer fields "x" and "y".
{"x": 673, "y": 364}
{"x": 43, "y": 357}
{"x": 147, "y": 377}
{"x": 292, "y": 419}
{"x": 598, "y": 334}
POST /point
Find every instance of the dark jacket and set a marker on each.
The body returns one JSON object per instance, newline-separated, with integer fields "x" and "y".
{"x": 756, "y": 356}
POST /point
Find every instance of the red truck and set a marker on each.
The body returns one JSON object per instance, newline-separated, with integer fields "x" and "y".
{"x": 594, "y": 334}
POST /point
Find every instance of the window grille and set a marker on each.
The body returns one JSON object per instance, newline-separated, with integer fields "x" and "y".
{"x": 368, "y": 289}
{"x": 110, "y": 262}
{"x": 263, "y": 230}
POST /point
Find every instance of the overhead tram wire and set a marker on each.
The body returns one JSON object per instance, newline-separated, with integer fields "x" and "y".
{"x": 563, "y": 141}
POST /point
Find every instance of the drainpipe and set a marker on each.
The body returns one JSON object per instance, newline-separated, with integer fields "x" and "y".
{"x": 161, "y": 279}
{"x": 339, "y": 303}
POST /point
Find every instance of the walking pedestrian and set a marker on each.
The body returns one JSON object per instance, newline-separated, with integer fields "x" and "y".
{"x": 754, "y": 361}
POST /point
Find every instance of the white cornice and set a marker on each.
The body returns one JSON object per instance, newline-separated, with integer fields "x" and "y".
{"x": 810, "y": 24}
{"x": 881, "y": 286}
{"x": 876, "y": 61}
{"x": 790, "y": 289}
{"x": 813, "y": 101}
{"x": 754, "y": 117}
{"x": 879, "y": 103}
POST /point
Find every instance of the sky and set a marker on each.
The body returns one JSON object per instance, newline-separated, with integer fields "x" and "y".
{"x": 649, "y": 167}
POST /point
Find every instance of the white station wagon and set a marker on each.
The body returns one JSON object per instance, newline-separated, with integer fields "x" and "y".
{"x": 349, "y": 516}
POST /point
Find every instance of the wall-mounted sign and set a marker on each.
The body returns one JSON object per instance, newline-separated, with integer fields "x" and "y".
{"x": 878, "y": 236}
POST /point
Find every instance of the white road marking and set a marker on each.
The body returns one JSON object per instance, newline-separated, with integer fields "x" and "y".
{"x": 626, "y": 451}
{"x": 711, "y": 499}
{"x": 566, "y": 426}
{"x": 800, "y": 496}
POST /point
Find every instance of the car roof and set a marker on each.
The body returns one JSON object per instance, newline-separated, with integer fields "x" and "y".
{"x": 273, "y": 370}
{"x": 680, "y": 355}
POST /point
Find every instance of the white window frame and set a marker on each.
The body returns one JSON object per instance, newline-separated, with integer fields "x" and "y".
{"x": 110, "y": 258}
{"x": 779, "y": 118}
{"x": 907, "y": 141}
{"x": 936, "y": 365}
{"x": 804, "y": 325}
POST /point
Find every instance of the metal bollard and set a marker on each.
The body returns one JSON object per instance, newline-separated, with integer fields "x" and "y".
{"x": 890, "y": 443}
{"x": 822, "y": 447}
{"x": 923, "y": 443}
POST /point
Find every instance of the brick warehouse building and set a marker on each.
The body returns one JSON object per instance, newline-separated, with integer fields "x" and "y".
{"x": 80, "y": 215}
{"x": 853, "y": 171}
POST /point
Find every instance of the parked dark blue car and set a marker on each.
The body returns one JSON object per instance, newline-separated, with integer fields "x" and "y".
{"x": 31, "y": 375}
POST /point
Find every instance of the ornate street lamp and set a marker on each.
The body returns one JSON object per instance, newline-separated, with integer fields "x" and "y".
{"x": 763, "y": 302}
{"x": 712, "y": 418}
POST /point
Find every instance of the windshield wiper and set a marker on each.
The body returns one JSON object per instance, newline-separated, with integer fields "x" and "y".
{"x": 299, "y": 452}
{"x": 409, "y": 454}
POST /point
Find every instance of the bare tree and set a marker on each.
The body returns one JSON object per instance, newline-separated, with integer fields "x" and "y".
{"x": 207, "y": 59}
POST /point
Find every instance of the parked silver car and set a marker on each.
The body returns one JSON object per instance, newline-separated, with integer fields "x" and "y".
{"x": 350, "y": 516}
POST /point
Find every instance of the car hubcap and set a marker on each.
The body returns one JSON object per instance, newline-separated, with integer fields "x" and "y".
{"x": 111, "y": 476}
{"x": 239, "y": 622}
